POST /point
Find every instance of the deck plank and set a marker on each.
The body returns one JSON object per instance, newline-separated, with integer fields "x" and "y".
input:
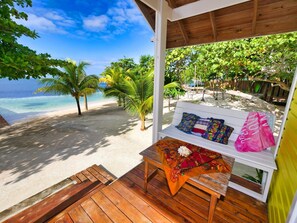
{"x": 90, "y": 176}
{"x": 143, "y": 206}
{"x": 47, "y": 208}
{"x": 95, "y": 213}
{"x": 160, "y": 193}
{"x": 251, "y": 205}
{"x": 78, "y": 215}
{"x": 77, "y": 203}
{"x": 98, "y": 176}
{"x": 75, "y": 178}
{"x": 64, "y": 219}
{"x": 81, "y": 177}
{"x": 100, "y": 169}
{"x": 152, "y": 201}
{"x": 200, "y": 208}
{"x": 110, "y": 209}
{"x": 125, "y": 206}
{"x": 236, "y": 210}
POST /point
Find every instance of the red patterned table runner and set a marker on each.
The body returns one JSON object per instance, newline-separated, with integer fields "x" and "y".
{"x": 179, "y": 169}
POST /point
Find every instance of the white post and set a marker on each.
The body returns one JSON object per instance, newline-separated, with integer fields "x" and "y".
{"x": 286, "y": 112}
{"x": 160, "y": 47}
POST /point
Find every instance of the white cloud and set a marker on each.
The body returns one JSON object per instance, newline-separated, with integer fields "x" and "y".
{"x": 60, "y": 18}
{"x": 40, "y": 23}
{"x": 115, "y": 21}
{"x": 66, "y": 23}
{"x": 135, "y": 16}
{"x": 125, "y": 14}
{"x": 53, "y": 15}
{"x": 95, "y": 23}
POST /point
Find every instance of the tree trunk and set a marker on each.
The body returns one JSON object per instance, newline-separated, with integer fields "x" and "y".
{"x": 223, "y": 94}
{"x": 142, "y": 121}
{"x": 86, "y": 102}
{"x": 119, "y": 101}
{"x": 78, "y": 105}
{"x": 203, "y": 92}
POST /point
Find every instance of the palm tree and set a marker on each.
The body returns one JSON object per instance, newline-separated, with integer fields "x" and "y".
{"x": 137, "y": 89}
{"x": 74, "y": 82}
{"x": 114, "y": 78}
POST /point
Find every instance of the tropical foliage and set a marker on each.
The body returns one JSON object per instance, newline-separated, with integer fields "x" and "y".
{"x": 113, "y": 77}
{"x": 73, "y": 81}
{"x": 257, "y": 178}
{"x": 272, "y": 58}
{"x": 16, "y": 60}
{"x": 134, "y": 88}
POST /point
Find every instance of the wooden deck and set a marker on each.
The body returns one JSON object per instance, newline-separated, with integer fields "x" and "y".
{"x": 124, "y": 200}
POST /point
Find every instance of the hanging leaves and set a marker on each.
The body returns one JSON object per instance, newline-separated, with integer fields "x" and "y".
{"x": 16, "y": 60}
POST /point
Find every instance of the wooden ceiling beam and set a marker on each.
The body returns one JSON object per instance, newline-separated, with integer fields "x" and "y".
{"x": 213, "y": 25}
{"x": 183, "y": 31}
{"x": 192, "y": 9}
{"x": 255, "y": 16}
{"x": 180, "y": 24}
{"x": 200, "y": 7}
{"x": 154, "y": 4}
{"x": 146, "y": 13}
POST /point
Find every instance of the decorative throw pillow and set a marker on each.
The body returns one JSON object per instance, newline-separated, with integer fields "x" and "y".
{"x": 223, "y": 134}
{"x": 200, "y": 126}
{"x": 212, "y": 130}
{"x": 216, "y": 119}
{"x": 187, "y": 123}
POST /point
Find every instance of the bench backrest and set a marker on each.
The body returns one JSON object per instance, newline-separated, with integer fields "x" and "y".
{"x": 234, "y": 118}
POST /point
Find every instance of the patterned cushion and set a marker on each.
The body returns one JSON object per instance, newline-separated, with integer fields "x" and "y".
{"x": 212, "y": 130}
{"x": 187, "y": 123}
{"x": 216, "y": 119}
{"x": 224, "y": 134}
{"x": 201, "y": 125}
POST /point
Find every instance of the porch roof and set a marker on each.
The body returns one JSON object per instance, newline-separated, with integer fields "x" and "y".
{"x": 192, "y": 22}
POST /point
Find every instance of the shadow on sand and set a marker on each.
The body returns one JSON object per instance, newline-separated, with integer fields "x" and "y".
{"x": 28, "y": 147}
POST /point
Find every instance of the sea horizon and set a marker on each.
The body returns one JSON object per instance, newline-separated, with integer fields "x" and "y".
{"x": 19, "y": 102}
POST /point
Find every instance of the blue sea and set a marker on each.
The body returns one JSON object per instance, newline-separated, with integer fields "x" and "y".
{"x": 18, "y": 100}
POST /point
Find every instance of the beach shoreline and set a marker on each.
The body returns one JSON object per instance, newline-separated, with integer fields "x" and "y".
{"x": 28, "y": 108}
{"x": 69, "y": 109}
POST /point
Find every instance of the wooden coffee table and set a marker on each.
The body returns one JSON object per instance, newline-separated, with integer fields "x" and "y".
{"x": 215, "y": 184}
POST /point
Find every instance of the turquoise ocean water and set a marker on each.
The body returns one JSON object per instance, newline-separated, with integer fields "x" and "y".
{"x": 19, "y": 102}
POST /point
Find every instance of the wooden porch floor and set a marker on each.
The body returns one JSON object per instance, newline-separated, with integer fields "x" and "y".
{"x": 125, "y": 201}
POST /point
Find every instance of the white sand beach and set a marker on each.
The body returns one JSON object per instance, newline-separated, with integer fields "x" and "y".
{"x": 38, "y": 153}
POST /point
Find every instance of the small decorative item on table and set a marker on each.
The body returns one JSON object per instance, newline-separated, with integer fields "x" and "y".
{"x": 184, "y": 151}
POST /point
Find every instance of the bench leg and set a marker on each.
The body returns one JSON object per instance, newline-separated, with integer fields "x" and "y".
{"x": 267, "y": 177}
{"x": 212, "y": 207}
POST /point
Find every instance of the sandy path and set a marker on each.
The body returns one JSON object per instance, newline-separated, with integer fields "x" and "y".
{"x": 42, "y": 152}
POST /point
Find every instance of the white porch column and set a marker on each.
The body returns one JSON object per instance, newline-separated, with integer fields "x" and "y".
{"x": 160, "y": 47}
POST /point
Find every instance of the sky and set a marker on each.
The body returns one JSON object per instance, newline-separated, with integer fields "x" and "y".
{"x": 95, "y": 31}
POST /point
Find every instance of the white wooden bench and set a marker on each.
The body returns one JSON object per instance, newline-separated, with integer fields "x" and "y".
{"x": 264, "y": 160}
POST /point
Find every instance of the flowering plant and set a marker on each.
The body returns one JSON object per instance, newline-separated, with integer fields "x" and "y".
{"x": 184, "y": 151}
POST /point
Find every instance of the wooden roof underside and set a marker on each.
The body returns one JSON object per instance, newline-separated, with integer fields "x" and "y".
{"x": 248, "y": 19}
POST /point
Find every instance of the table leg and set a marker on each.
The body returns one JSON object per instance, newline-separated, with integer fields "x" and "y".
{"x": 212, "y": 207}
{"x": 146, "y": 165}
